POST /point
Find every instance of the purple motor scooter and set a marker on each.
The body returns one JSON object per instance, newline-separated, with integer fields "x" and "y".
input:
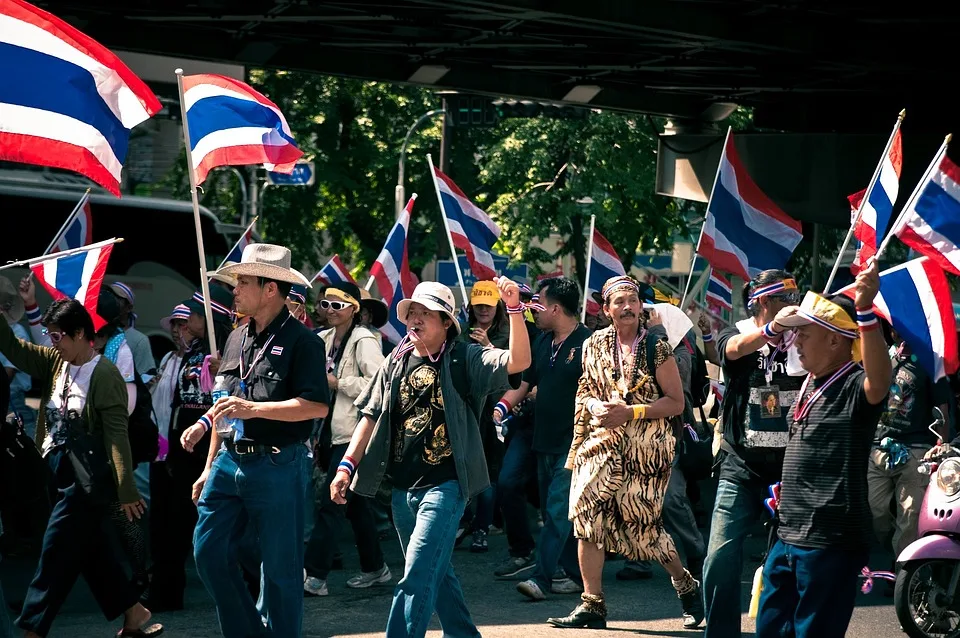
{"x": 926, "y": 597}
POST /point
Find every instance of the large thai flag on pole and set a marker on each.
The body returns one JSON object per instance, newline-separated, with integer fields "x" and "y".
{"x": 877, "y": 211}
{"x": 334, "y": 272}
{"x": 719, "y": 291}
{"x": 78, "y": 231}
{"x": 930, "y": 223}
{"x": 233, "y": 124}
{"x": 392, "y": 273}
{"x": 915, "y": 298}
{"x": 604, "y": 264}
{"x": 744, "y": 232}
{"x": 472, "y": 229}
{"x": 66, "y": 101}
{"x": 77, "y": 274}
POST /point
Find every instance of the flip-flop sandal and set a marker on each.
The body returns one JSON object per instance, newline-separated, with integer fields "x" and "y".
{"x": 143, "y": 632}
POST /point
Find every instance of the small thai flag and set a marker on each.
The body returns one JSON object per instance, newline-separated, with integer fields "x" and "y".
{"x": 719, "y": 291}
{"x": 392, "y": 273}
{"x": 604, "y": 264}
{"x": 471, "y": 229}
{"x": 77, "y": 276}
{"x": 334, "y": 272}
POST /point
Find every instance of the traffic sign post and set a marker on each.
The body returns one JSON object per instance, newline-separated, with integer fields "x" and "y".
{"x": 304, "y": 174}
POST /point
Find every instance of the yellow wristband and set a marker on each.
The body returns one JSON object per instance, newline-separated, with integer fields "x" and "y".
{"x": 639, "y": 412}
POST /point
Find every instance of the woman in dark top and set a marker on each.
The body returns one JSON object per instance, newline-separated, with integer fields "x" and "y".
{"x": 173, "y": 514}
{"x": 82, "y": 432}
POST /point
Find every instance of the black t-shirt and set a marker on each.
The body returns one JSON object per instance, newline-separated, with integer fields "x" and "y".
{"x": 555, "y": 372}
{"x": 755, "y": 411}
{"x": 910, "y": 408}
{"x": 421, "y": 455}
{"x": 284, "y": 361}
{"x": 823, "y": 500}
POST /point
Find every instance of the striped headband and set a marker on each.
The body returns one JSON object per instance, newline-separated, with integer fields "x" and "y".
{"x": 217, "y": 308}
{"x": 615, "y": 284}
{"x": 774, "y": 288}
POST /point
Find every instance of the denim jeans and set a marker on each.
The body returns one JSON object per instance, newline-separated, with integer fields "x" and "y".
{"x": 557, "y": 546}
{"x": 518, "y": 469}
{"x": 258, "y": 494}
{"x": 426, "y": 522}
{"x": 808, "y": 592}
{"x": 483, "y": 506}
{"x": 737, "y": 508}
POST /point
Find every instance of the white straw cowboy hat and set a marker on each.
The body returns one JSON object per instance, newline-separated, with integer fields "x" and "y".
{"x": 432, "y": 296}
{"x": 229, "y": 280}
{"x": 11, "y": 304}
{"x": 268, "y": 261}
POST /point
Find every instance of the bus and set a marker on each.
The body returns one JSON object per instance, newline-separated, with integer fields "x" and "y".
{"x": 158, "y": 258}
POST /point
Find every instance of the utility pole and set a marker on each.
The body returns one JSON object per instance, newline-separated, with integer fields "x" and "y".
{"x": 446, "y": 138}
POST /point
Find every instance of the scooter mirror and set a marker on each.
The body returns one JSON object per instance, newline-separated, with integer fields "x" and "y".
{"x": 938, "y": 421}
{"x": 938, "y": 416}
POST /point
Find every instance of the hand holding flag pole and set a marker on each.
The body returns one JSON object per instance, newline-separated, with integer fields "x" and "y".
{"x": 204, "y": 284}
{"x": 914, "y": 196}
{"x": 864, "y": 201}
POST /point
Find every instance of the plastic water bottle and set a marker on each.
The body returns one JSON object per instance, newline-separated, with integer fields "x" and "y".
{"x": 224, "y": 426}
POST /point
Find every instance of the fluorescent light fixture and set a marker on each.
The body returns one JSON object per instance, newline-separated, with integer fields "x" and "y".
{"x": 429, "y": 74}
{"x": 582, "y": 93}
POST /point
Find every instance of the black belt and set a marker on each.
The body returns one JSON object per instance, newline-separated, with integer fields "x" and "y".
{"x": 242, "y": 448}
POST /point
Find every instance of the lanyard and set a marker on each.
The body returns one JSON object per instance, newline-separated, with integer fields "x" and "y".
{"x": 259, "y": 355}
{"x": 785, "y": 342}
{"x": 802, "y": 409}
{"x": 408, "y": 343}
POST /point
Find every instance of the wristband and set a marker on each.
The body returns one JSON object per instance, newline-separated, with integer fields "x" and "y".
{"x": 516, "y": 310}
{"x": 205, "y": 422}
{"x": 867, "y": 320}
{"x": 707, "y": 337}
{"x": 503, "y": 407}
{"x": 769, "y": 332}
{"x": 639, "y": 412}
{"x": 347, "y": 465}
{"x": 33, "y": 314}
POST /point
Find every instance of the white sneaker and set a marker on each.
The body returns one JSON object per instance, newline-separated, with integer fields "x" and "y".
{"x": 315, "y": 587}
{"x": 368, "y": 579}
{"x": 565, "y": 586}
{"x": 531, "y": 590}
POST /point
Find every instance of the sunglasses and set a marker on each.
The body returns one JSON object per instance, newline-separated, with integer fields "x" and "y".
{"x": 55, "y": 337}
{"x": 326, "y": 304}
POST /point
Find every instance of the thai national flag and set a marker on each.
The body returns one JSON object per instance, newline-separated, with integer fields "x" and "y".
{"x": 744, "y": 232}
{"x": 79, "y": 232}
{"x": 604, "y": 264}
{"x": 231, "y": 124}
{"x": 472, "y": 229}
{"x": 66, "y": 100}
{"x": 878, "y": 207}
{"x": 392, "y": 274}
{"x": 335, "y": 272}
{"x": 931, "y": 225}
{"x": 719, "y": 291}
{"x": 915, "y": 298}
{"x": 237, "y": 253}
{"x": 77, "y": 276}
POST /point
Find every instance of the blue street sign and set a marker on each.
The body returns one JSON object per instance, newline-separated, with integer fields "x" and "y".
{"x": 304, "y": 174}
{"x": 447, "y": 274}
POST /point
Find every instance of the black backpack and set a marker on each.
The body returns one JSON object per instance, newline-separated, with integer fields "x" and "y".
{"x": 699, "y": 377}
{"x": 142, "y": 429}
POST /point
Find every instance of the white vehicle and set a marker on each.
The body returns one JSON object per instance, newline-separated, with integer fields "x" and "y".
{"x": 157, "y": 259}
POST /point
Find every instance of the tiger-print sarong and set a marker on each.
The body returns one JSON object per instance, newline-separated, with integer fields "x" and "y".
{"x": 620, "y": 475}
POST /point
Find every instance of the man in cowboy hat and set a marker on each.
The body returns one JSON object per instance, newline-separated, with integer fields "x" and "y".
{"x": 419, "y": 430}
{"x": 272, "y": 368}
{"x": 811, "y": 573}
{"x": 12, "y": 308}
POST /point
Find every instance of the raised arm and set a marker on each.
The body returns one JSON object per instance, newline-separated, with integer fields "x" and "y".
{"x": 873, "y": 348}
{"x": 37, "y": 361}
{"x": 519, "y": 348}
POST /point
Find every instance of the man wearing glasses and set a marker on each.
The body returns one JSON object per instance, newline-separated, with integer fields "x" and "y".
{"x": 554, "y": 373}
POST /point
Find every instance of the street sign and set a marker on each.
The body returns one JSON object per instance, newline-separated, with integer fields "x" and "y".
{"x": 447, "y": 274}
{"x": 304, "y": 174}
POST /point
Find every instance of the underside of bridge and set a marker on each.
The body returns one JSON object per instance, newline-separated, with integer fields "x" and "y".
{"x": 803, "y": 66}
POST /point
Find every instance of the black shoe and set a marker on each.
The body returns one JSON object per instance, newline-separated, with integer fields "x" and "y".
{"x": 692, "y": 603}
{"x": 479, "y": 542}
{"x": 629, "y": 573}
{"x": 580, "y": 618}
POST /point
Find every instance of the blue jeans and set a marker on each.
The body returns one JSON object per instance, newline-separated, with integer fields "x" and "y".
{"x": 426, "y": 522}
{"x": 808, "y": 592}
{"x": 557, "y": 546}
{"x": 483, "y": 504}
{"x": 517, "y": 470}
{"x": 736, "y": 509}
{"x": 259, "y": 494}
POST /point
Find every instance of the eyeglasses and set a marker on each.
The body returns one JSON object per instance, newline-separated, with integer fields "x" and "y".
{"x": 55, "y": 336}
{"x": 326, "y": 304}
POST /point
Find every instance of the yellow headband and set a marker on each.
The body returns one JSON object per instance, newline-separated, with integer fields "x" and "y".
{"x": 342, "y": 296}
{"x": 826, "y": 314}
{"x": 484, "y": 293}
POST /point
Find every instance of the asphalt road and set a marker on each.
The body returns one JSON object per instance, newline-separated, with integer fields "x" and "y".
{"x": 644, "y": 608}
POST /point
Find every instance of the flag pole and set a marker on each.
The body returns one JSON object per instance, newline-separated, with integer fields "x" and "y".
{"x": 65, "y": 253}
{"x": 586, "y": 282}
{"x": 240, "y": 240}
{"x": 446, "y": 225}
{"x": 66, "y": 224}
{"x": 914, "y": 195}
{"x": 863, "y": 202}
{"x": 716, "y": 178}
{"x": 204, "y": 284}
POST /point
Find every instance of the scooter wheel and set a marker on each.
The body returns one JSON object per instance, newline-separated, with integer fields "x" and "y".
{"x": 922, "y": 578}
